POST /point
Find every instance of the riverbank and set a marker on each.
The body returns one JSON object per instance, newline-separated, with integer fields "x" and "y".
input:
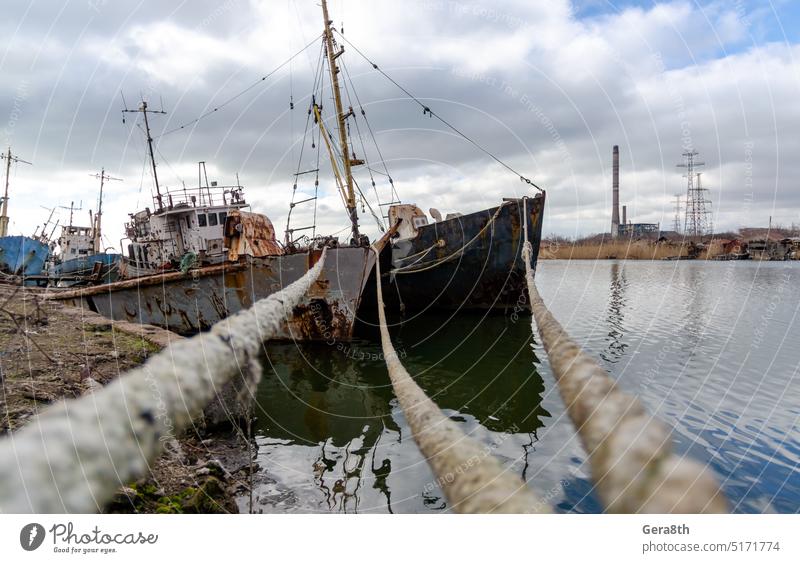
{"x": 628, "y": 250}
{"x": 755, "y": 244}
{"x": 50, "y": 352}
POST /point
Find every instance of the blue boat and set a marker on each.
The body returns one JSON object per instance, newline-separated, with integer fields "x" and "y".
{"x": 102, "y": 267}
{"x": 22, "y": 256}
{"x": 80, "y": 260}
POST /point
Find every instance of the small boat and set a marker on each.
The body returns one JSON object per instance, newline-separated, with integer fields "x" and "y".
{"x": 81, "y": 260}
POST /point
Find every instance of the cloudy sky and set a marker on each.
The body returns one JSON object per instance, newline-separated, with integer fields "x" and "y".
{"x": 547, "y": 85}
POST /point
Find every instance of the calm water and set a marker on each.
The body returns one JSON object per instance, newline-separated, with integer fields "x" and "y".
{"x": 711, "y": 348}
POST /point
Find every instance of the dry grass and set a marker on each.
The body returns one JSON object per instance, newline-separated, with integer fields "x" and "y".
{"x": 628, "y": 250}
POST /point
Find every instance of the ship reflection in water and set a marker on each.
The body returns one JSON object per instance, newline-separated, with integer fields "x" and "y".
{"x": 331, "y": 437}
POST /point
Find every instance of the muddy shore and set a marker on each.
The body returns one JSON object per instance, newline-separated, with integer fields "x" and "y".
{"x": 50, "y": 352}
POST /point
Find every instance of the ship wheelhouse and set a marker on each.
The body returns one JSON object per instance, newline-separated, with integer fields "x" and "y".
{"x": 191, "y": 224}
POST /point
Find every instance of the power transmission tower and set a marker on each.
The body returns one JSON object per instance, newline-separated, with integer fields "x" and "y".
{"x": 697, "y": 221}
{"x": 676, "y": 223}
{"x": 704, "y": 207}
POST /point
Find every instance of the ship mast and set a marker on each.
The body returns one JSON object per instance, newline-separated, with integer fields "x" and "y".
{"x": 97, "y": 217}
{"x": 144, "y": 111}
{"x": 350, "y": 198}
{"x": 9, "y": 158}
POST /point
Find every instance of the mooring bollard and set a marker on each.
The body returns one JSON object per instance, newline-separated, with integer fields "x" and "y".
{"x": 630, "y": 452}
{"x": 470, "y": 476}
{"x": 75, "y": 455}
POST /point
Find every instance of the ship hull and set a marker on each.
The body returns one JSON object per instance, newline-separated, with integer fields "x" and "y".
{"x": 22, "y": 256}
{"x": 194, "y": 301}
{"x": 470, "y": 262}
{"x": 80, "y": 270}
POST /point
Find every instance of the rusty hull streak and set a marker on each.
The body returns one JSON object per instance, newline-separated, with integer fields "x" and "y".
{"x": 156, "y": 279}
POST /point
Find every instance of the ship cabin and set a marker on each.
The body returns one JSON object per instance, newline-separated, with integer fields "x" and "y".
{"x": 186, "y": 223}
{"x": 75, "y": 242}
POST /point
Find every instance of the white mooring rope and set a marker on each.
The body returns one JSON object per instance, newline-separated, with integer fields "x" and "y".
{"x": 75, "y": 455}
{"x": 630, "y": 451}
{"x": 470, "y": 476}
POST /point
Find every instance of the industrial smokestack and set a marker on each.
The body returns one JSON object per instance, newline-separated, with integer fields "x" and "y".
{"x": 624, "y": 214}
{"x": 615, "y": 194}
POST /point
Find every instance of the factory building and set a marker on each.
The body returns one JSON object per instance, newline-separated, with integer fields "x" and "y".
{"x": 624, "y": 228}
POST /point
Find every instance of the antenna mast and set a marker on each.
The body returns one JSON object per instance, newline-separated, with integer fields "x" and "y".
{"x": 350, "y": 198}
{"x": 43, "y": 235}
{"x": 72, "y": 209}
{"x": 144, "y": 111}
{"x": 97, "y": 216}
{"x": 9, "y": 158}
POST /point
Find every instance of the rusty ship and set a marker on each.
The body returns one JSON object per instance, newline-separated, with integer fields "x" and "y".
{"x": 199, "y": 257}
{"x": 461, "y": 262}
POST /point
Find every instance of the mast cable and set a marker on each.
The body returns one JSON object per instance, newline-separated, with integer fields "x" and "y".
{"x": 240, "y": 94}
{"x": 427, "y": 110}
{"x": 395, "y": 196}
{"x": 381, "y": 225}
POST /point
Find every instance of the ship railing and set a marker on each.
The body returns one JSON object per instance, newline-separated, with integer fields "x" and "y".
{"x": 203, "y": 196}
{"x": 75, "y": 455}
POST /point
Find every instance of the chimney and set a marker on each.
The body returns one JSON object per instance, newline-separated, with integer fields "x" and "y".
{"x": 615, "y": 194}
{"x": 624, "y": 214}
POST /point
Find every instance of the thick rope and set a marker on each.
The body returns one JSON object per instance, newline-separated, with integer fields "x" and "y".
{"x": 472, "y": 479}
{"x": 630, "y": 451}
{"x": 74, "y": 456}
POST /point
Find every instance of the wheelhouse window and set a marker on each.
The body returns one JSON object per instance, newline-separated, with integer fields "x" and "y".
{"x": 212, "y": 219}
{"x": 201, "y": 219}
{"x": 222, "y": 216}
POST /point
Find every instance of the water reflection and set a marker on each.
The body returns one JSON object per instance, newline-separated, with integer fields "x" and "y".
{"x": 711, "y": 350}
{"x": 615, "y": 318}
{"x": 331, "y": 437}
